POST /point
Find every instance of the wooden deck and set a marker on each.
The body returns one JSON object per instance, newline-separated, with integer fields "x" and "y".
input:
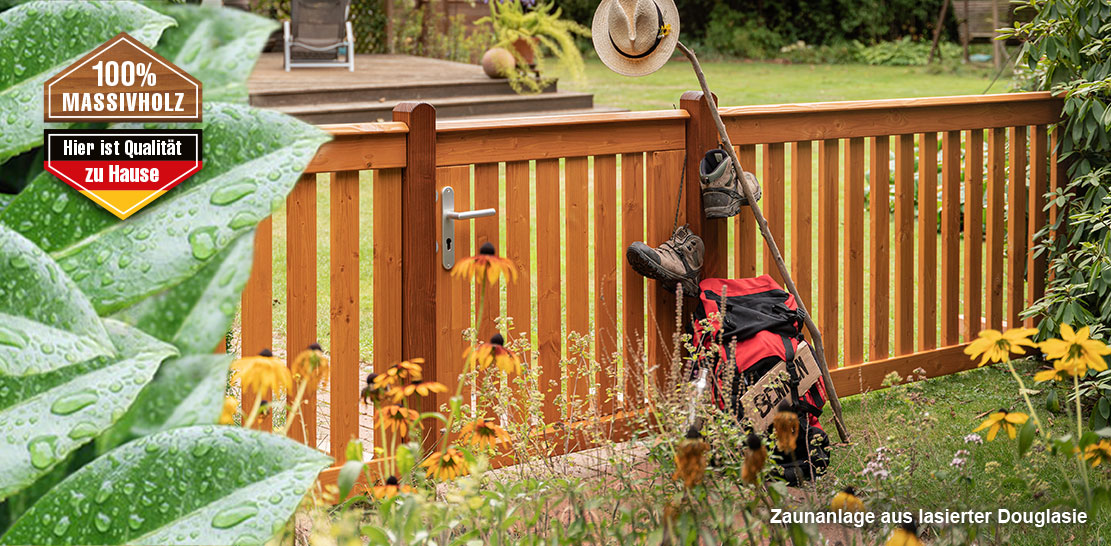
{"x": 380, "y": 82}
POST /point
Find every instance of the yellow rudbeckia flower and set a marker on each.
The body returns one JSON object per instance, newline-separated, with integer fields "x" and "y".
{"x": 446, "y": 465}
{"x": 486, "y": 266}
{"x": 997, "y": 346}
{"x": 1002, "y": 420}
{"x": 483, "y": 433}
{"x": 311, "y": 366}
{"x": 493, "y": 352}
{"x": 231, "y": 407}
{"x": 1075, "y": 351}
{"x": 1097, "y": 452}
{"x": 262, "y": 372}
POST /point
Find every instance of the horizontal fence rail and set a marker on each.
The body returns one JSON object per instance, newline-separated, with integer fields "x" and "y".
{"x": 907, "y": 225}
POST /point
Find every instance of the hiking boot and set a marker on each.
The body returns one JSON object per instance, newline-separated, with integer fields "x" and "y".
{"x": 677, "y": 260}
{"x": 722, "y": 196}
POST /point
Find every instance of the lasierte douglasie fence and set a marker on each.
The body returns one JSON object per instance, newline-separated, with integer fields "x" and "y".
{"x": 902, "y": 249}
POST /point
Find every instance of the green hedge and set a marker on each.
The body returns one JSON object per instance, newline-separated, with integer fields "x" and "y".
{"x": 760, "y": 28}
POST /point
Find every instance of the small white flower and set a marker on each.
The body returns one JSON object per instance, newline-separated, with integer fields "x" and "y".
{"x": 973, "y": 439}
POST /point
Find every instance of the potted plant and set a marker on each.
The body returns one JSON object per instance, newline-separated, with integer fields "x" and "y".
{"x": 533, "y": 34}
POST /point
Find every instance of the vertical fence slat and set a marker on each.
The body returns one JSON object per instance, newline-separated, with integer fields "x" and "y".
{"x": 632, "y": 287}
{"x": 854, "y": 251}
{"x": 518, "y": 295}
{"x": 605, "y": 277}
{"x": 802, "y": 243}
{"x": 258, "y": 311}
{"x": 486, "y": 230}
{"x": 773, "y": 184}
{"x": 486, "y": 189}
{"x": 453, "y": 295}
{"x": 904, "y": 244}
{"x": 997, "y": 145}
{"x": 344, "y": 273}
{"x": 1016, "y": 227}
{"x": 301, "y": 292}
{"x": 577, "y": 195}
{"x": 880, "y": 252}
{"x": 745, "y": 228}
{"x": 927, "y": 241}
{"x": 387, "y": 276}
{"x": 662, "y": 180}
{"x": 549, "y": 310}
{"x": 828, "y": 229}
{"x": 1056, "y": 177}
{"x": 950, "y": 237}
{"x": 1036, "y": 265}
{"x": 632, "y": 284}
{"x": 973, "y": 231}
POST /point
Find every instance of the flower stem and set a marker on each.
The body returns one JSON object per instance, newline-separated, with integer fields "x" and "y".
{"x": 296, "y": 407}
{"x": 1079, "y": 433}
{"x": 1026, "y": 397}
{"x": 254, "y": 411}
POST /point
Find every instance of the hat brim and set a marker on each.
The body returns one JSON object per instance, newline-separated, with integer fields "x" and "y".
{"x": 627, "y": 66}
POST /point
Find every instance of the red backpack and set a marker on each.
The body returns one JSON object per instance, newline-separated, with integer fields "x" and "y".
{"x": 765, "y": 323}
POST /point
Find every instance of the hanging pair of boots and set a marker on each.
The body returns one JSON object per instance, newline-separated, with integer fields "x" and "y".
{"x": 680, "y": 258}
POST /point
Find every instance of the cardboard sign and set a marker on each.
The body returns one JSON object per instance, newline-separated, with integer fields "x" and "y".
{"x": 760, "y": 400}
{"x": 122, "y": 80}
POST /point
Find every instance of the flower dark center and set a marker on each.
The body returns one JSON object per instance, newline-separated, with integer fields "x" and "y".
{"x": 266, "y": 353}
{"x": 315, "y": 347}
{"x": 498, "y": 340}
{"x": 370, "y": 378}
{"x": 487, "y": 248}
{"x": 392, "y": 480}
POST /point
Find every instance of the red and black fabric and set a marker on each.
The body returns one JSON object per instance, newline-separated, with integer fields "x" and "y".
{"x": 762, "y": 325}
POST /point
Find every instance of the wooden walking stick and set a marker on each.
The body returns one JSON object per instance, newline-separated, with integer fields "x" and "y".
{"x": 815, "y": 335}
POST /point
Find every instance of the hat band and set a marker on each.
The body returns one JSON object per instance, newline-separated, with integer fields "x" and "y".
{"x": 659, "y": 38}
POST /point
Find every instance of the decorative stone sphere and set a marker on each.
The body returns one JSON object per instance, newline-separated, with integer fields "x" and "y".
{"x": 497, "y": 62}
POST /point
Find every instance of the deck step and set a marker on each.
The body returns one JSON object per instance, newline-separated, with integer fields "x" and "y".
{"x": 447, "y": 107}
{"x": 367, "y": 92}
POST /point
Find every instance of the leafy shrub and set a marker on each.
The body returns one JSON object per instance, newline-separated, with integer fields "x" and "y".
{"x": 904, "y": 52}
{"x": 109, "y": 390}
{"x": 804, "y": 53}
{"x": 1067, "y": 50}
{"x": 737, "y": 34}
{"x": 818, "y": 22}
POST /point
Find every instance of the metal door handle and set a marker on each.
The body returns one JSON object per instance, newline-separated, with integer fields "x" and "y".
{"x": 448, "y": 216}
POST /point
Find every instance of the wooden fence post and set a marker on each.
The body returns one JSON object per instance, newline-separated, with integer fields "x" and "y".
{"x": 418, "y": 251}
{"x": 701, "y": 137}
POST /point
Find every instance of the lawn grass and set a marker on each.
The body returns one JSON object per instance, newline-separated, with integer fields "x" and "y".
{"x": 741, "y": 83}
{"x": 924, "y": 424}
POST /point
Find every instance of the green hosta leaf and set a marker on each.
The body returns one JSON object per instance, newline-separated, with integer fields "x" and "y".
{"x": 196, "y": 314}
{"x": 193, "y": 485}
{"x": 38, "y": 39}
{"x": 45, "y": 321}
{"x": 218, "y": 46}
{"x": 46, "y": 416}
{"x": 252, "y": 159}
{"x": 186, "y": 391}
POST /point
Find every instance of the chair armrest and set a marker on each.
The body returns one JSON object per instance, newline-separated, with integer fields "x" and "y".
{"x": 350, "y": 34}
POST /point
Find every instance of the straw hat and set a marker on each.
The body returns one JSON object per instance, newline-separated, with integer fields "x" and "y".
{"x": 635, "y": 37}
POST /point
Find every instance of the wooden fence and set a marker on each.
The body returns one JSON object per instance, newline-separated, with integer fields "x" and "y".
{"x": 942, "y": 258}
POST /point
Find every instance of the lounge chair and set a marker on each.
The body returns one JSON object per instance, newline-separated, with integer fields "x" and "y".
{"x": 319, "y": 35}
